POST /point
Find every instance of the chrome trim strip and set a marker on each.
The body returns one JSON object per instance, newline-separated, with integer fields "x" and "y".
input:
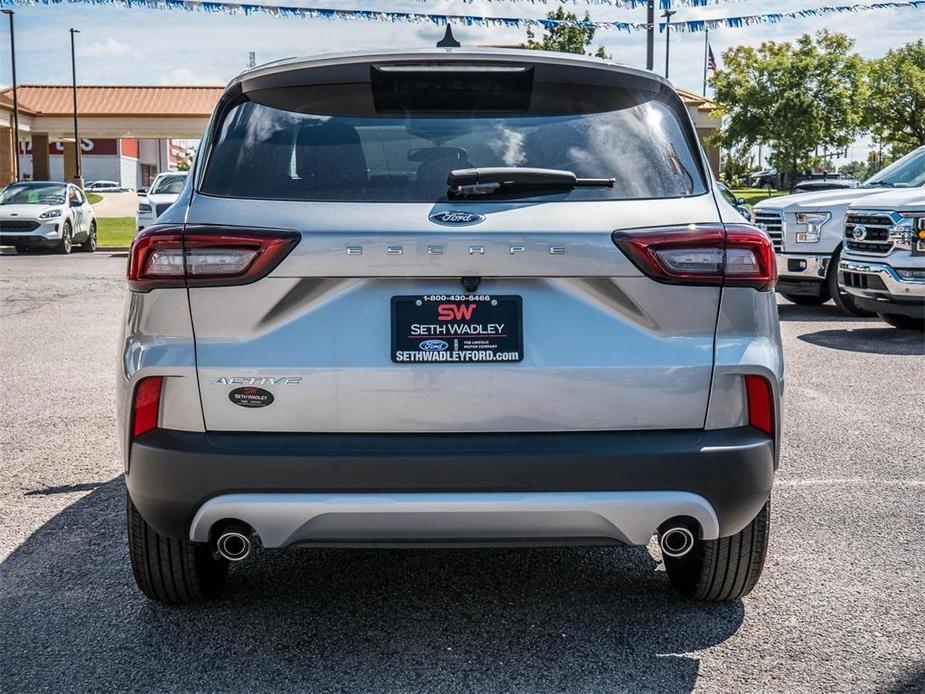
{"x": 895, "y": 285}
{"x": 284, "y": 519}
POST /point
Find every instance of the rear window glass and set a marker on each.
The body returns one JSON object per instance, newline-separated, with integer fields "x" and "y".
{"x": 357, "y": 142}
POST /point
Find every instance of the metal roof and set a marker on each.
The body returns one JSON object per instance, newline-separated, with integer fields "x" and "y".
{"x": 57, "y": 100}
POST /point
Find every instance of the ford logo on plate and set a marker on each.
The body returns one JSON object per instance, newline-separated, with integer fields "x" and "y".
{"x": 456, "y": 217}
{"x": 434, "y": 345}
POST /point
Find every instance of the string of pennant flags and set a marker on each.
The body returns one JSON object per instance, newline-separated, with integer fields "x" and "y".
{"x": 331, "y": 14}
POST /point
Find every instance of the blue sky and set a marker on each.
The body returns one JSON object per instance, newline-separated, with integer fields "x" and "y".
{"x": 141, "y": 46}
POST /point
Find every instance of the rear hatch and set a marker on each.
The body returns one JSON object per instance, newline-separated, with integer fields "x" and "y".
{"x": 403, "y": 308}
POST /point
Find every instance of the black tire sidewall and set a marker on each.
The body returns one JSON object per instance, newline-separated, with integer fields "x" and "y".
{"x": 66, "y": 244}
{"x": 843, "y": 300}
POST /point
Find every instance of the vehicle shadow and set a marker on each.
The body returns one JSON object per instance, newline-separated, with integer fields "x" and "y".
{"x": 826, "y": 312}
{"x": 884, "y": 340}
{"x": 320, "y": 620}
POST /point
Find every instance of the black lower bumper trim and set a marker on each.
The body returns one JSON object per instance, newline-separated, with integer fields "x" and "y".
{"x": 802, "y": 287}
{"x": 171, "y": 473}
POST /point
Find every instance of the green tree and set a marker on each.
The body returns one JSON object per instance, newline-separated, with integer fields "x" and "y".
{"x": 565, "y": 38}
{"x": 794, "y": 98}
{"x": 895, "y": 107}
{"x": 855, "y": 169}
{"x": 737, "y": 163}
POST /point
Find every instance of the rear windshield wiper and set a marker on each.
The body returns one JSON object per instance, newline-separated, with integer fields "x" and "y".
{"x": 509, "y": 179}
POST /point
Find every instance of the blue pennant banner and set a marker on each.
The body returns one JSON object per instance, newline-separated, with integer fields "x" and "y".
{"x": 775, "y": 17}
{"x": 306, "y": 12}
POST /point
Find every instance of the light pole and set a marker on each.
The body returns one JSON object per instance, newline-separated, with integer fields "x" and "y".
{"x": 668, "y": 15}
{"x": 10, "y": 14}
{"x": 78, "y": 179}
{"x": 650, "y": 35}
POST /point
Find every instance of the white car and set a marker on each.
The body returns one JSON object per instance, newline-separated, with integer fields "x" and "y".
{"x": 46, "y": 214}
{"x": 807, "y": 233}
{"x": 104, "y": 187}
{"x": 163, "y": 192}
{"x": 883, "y": 259}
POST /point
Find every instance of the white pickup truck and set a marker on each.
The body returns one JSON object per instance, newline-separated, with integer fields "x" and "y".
{"x": 882, "y": 264}
{"x": 807, "y": 233}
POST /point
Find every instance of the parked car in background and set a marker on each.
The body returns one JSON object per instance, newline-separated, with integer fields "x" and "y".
{"x": 814, "y": 185}
{"x": 737, "y": 203}
{"x": 403, "y": 317}
{"x": 763, "y": 179}
{"x": 164, "y": 191}
{"x": 104, "y": 187}
{"x": 807, "y": 233}
{"x": 883, "y": 262}
{"x": 46, "y": 214}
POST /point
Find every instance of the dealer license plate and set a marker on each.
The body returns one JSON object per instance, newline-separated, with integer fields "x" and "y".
{"x": 456, "y": 329}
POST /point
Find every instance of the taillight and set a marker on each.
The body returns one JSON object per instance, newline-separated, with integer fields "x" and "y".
{"x": 760, "y": 400}
{"x": 200, "y": 256}
{"x": 736, "y": 255}
{"x": 146, "y": 405}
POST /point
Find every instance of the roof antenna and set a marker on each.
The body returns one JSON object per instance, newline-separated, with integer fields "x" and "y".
{"x": 448, "y": 40}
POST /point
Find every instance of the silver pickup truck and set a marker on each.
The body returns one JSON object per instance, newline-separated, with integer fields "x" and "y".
{"x": 807, "y": 232}
{"x": 882, "y": 263}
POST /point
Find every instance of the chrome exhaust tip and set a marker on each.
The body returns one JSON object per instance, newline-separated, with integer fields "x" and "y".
{"x": 676, "y": 541}
{"x": 234, "y": 545}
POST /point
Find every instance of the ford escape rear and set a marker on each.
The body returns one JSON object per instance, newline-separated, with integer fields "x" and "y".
{"x": 442, "y": 298}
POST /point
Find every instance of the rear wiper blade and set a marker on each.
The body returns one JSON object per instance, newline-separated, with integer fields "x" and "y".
{"x": 504, "y": 179}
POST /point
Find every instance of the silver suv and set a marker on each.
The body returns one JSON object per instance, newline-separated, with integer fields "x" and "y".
{"x": 449, "y": 298}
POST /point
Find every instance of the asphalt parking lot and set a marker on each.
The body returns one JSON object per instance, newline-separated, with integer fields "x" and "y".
{"x": 841, "y": 606}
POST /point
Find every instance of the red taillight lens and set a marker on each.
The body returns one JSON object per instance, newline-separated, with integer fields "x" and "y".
{"x": 156, "y": 259}
{"x": 147, "y": 405}
{"x": 199, "y": 256}
{"x": 760, "y": 403}
{"x": 735, "y": 255}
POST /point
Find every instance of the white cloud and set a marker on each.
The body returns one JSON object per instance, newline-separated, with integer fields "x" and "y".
{"x": 185, "y": 76}
{"x": 109, "y": 48}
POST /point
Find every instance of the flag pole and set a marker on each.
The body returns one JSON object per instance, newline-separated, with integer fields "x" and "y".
{"x": 706, "y": 57}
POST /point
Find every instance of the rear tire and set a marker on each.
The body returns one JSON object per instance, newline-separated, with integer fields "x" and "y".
{"x": 843, "y": 300}
{"x": 807, "y": 300}
{"x": 174, "y": 572}
{"x": 903, "y": 322}
{"x": 723, "y": 569}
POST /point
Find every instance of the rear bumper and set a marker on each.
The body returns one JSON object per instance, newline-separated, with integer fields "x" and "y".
{"x": 494, "y": 487}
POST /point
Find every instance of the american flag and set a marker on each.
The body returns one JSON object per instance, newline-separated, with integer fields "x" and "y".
{"x": 711, "y": 60}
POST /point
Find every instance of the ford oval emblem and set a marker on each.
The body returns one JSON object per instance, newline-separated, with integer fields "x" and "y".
{"x": 434, "y": 345}
{"x": 456, "y": 218}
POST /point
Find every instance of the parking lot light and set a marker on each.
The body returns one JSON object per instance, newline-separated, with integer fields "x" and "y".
{"x": 16, "y": 176}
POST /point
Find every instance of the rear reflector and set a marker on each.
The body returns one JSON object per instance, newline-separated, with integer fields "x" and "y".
{"x": 735, "y": 255}
{"x": 147, "y": 405}
{"x": 198, "y": 256}
{"x": 760, "y": 403}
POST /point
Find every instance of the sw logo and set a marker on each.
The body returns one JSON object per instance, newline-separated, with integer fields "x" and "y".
{"x": 455, "y": 311}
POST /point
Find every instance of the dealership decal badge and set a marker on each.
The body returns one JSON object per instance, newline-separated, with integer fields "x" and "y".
{"x": 250, "y": 396}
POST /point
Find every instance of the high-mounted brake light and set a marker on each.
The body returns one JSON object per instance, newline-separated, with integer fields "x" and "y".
{"x": 146, "y": 405}
{"x": 760, "y": 403}
{"x": 200, "y": 256}
{"x": 735, "y": 255}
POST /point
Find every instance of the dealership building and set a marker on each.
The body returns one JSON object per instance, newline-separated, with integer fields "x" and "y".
{"x": 127, "y": 133}
{"x": 130, "y": 133}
